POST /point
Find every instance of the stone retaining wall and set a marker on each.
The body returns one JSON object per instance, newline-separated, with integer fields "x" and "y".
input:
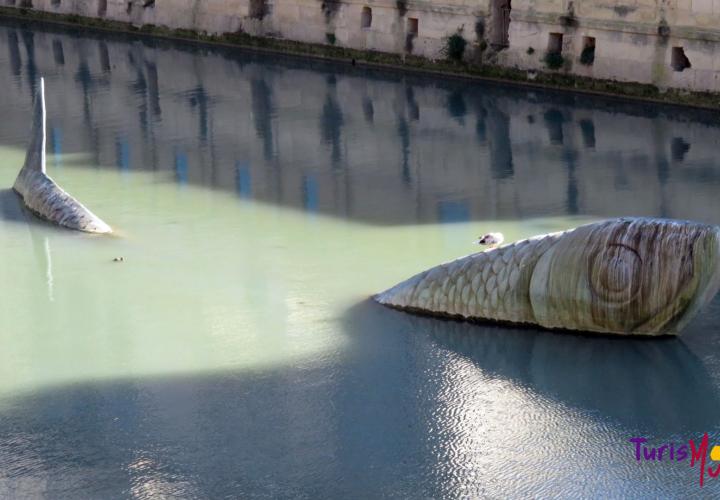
{"x": 669, "y": 43}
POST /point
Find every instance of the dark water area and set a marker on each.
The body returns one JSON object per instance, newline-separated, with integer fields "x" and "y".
{"x": 264, "y": 197}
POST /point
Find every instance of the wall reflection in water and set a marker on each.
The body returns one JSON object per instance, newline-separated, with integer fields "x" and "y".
{"x": 378, "y": 147}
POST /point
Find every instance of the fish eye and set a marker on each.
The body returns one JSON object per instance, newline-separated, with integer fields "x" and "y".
{"x": 615, "y": 274}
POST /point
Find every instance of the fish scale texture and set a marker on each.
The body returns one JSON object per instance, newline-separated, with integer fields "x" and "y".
{"x": 46, "y": 199}
{"x": 490, "y": 285}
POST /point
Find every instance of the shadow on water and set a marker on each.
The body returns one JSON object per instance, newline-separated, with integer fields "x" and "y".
{"x": 302, "y": 430}
{"x": 649, "y": 385}
{"x": 490, "y": 151}
{"x": 373, "y": 420}
{"x": 204, "y": 436}
{"x": 11, "y": 207}
{"x": 13, "y": 210}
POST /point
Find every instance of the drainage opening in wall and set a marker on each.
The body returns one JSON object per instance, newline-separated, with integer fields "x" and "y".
{"x": 679, "y": 60}
{"x": 55, "y": 3}
{"x": 366, "y": 19}
{"x": 587, "y": 56}
{"x": 102, "y": 8}
{"x": 26, "y": 4}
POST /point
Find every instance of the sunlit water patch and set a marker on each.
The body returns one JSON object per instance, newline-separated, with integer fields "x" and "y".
{"x": 207, "y": 282}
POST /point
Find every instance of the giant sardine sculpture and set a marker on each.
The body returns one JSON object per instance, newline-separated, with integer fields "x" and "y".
{"x": 40, "y": 193}
{"x": 632, "y": 276}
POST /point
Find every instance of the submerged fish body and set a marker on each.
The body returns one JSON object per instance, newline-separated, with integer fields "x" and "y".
{"x": 40, "y": 193}
{"x": 623, "y": 276}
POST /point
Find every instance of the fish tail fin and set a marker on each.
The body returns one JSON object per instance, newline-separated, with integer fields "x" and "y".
{"x": 35, "y": 158}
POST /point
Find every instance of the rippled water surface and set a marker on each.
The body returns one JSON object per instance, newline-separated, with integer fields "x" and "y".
{"x": 259, "y": 201}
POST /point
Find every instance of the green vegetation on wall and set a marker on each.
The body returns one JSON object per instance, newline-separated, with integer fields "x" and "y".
{"x": 587, "y": 56}
{"x": 554, "y": 60}
{"x": 455, "y": 45}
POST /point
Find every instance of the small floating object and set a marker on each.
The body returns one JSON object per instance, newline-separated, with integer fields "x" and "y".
{"x": 40, "y": 193}
{"x": 628, "y": 276}
{"x": 119, "y": 259}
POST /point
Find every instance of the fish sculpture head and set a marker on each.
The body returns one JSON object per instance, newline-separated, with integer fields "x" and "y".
{"x": 631, "y": 275}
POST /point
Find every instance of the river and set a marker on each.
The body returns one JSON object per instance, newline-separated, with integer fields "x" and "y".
{"x": 259, "y": 200}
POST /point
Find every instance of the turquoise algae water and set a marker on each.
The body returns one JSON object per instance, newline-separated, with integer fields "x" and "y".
{"x": 259, "y": 201}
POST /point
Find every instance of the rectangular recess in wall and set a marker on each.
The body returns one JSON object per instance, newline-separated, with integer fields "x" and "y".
{"x": 555, "y": 42}
{"x": 413, "y": 26}
{"x": 366, "y": 18}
